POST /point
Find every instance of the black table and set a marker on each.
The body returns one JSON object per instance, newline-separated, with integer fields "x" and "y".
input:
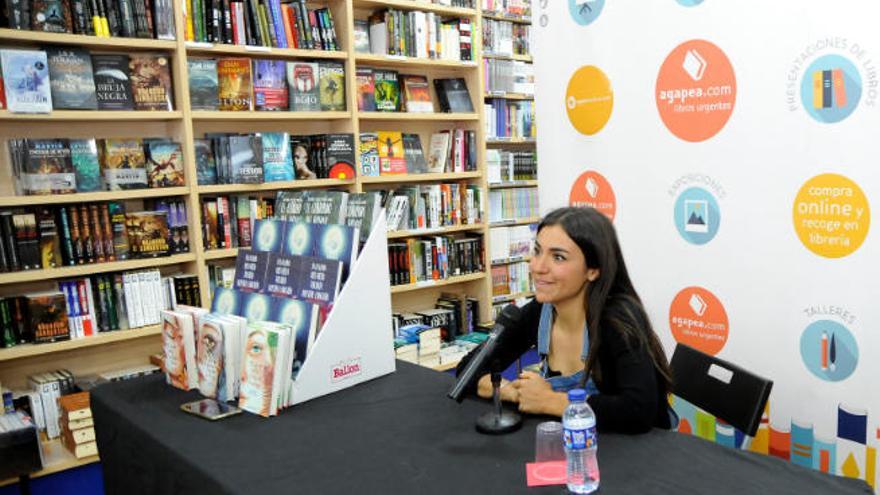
{"x": 395, "y": 434}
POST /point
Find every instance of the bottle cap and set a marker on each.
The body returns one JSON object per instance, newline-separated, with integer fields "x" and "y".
{"x": 577, "y": 395}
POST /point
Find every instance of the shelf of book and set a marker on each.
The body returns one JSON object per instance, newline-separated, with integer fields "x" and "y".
{"x": 55, "y": 459}
{"x": 28, "y": 350}
{"x": 509, "y": 96}
{"x": 511, "y": 297}
{"x": 91, "y": 116}
{"x": 512, "y": 184}
{"x": 219, "y": 254}
{"x": 43, "y": 38}
{"x": 505, "y": 141}
{"x": 54, "y": 199}
{"x": 215, "y": 115}
{"x": 512, "y": 259}
{"x": 442, "y": 117}
{"x": 415, "y": 5}
{"x": 399, "y": 234}
{"x": 515, "y": 221}
{"x": 503, "y": 56}
{"x": 211, "y": 49}
{"x": 93, "y": 268}
{"x": 274, "y": 186}
{"x": 510, "y": 18}
{"x": 401, "y": 61}
{"x": 388, "y": 179}
{"x": 428, "y": 284}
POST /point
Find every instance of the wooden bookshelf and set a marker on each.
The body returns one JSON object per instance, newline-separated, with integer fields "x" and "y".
{"x": 219, "y": 254}
{"x": 511, "y": 297}
{"x": 92, "y": 116}
{"x": 509, "y": 96}
{"x": 510, "y": 18}
{"x": 411, "y": 62}
{"x": 512, "y": 259}
{"x": 224, "y": 50}
{"x": 409, "y": 116}
{"x": 517, "y": 221}
{"x": 506, "y": 141}
{"x": 471, "y": 277}
{"x": 503, "y": 56}
{"x": 252, "y": 116}
{"x": 28, "y": 350}
{"x": 122, "y": 44}
{"x": 513, "y": 184}
{"x": 400, "y": 234}
{"x": 93, "y": 268}
{"x": 414, "y": 5}
{"x": 57, "y": 199}
{"x": 274, "y": 186}
{"x": 403, "y": 178}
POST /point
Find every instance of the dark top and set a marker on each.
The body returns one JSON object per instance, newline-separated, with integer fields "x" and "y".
{"x": 396, "y": 434}
{"x": 631, "y": 398}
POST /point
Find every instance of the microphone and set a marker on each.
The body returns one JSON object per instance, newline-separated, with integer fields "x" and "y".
{"x": 508, "y": 318}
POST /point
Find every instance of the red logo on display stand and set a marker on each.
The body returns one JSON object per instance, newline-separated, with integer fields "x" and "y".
{"x": 346, "y": 369}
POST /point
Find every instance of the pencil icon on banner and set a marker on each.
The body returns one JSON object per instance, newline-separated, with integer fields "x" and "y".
{"x": 824, "y": 350}
{"x": 832, "y": 354}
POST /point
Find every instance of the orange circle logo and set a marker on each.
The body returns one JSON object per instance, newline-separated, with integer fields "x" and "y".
{"x": 589, "y": 100}
{"x": 696, "y": 90}
{"x": 697, "y": 318}
{"x": 593, "y": 190}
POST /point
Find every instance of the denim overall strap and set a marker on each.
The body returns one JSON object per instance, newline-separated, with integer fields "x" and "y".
{"x": 561, "y": 383}
{"x": 544, "y": 326}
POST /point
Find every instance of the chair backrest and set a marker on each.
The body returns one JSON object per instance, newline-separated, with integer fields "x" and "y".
{"x": 720, "y": 388}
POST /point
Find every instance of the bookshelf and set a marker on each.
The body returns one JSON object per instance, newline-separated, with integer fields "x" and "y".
{"x": 112, "y": 350}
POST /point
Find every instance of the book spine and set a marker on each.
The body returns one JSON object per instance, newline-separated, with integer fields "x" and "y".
{"x": 86, "y": 234}
{"x": 97, "y": 233}
{"x": 109, "y": 251}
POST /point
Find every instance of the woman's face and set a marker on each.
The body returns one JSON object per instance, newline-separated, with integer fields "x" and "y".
{"x": 173, "y": 347}
{"x": 300, "y": 157}
{"x": 558, "y": 267}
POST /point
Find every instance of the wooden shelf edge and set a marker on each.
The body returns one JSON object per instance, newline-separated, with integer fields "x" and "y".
{"x": 57, "y": 459}
{"x": 224, "y": 116}
{"x": 273, "y": 186}
{"x": 83, "y": 40}
{"x": 411, "y": 5}
{"x": 521, "y": 221}
{"x": 510, "y": 260}
{"x": 412, "y": 61}
{"x": 30, "y": 350}
{"x": 93, "y": 268}
{"x": 502, "y": 17}
{"x": 12, "y": 201}
{"x": 399, "y": 234}
{"x": 397, "y": 289}
{"x": 93, "y": 115}
{"x": 494, "y": 141}
{"x": 198, "y": 48}
{"x": 511, "y": 297}
{"x": 381, "y": 179}
{"x": 513, "y": 184}
{"x": 415, "y": 116}
{"x": 219, "y": 254}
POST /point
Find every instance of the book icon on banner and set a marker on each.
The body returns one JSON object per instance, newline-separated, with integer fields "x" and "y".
{"x": 592, "y": 187}
{"x": 696, "y": 211}
{"x": 697, "y": 304}
{"x": 584, "y": 6}
{"x": 829, "y": 88}
{"x": 694, "y": 64}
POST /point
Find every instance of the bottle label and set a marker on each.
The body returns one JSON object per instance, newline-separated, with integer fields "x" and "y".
{"x": 580, "y": 439}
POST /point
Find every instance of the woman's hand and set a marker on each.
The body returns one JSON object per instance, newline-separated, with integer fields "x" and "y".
{"x": 536, "y": 396}
{"x": 508, "y": 392}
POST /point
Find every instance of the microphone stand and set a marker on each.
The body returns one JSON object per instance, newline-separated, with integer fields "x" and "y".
{"x": 498, "y": 421}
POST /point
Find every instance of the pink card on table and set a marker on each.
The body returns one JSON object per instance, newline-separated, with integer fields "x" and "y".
{"x": 545, "y": 473}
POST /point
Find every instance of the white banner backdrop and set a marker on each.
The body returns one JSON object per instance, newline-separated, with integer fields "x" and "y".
{"x": 733, "y": 143}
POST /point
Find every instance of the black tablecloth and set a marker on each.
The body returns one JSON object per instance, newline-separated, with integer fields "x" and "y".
{"x": 395, "y": 434}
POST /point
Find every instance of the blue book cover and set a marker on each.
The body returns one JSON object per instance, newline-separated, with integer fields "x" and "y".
{"x": 277, "y": 162}
{"x": 338, "y": 242}
{"x": 226, "y": 301}
{"x": 268, "y": 235}
{"x": 206, "y": 165}
{"x": 319, "y": 280}
{"x": 281, "y": 275}
{"x": 84, "y": 156}
{"x": 250, "y": 271}
{"x": 256, "y": 307}
{"x": 300, "y": 238}
{"x": 303, "y": 319}
{"x": 26, "y": 80}
{"x": 270, "y": 85}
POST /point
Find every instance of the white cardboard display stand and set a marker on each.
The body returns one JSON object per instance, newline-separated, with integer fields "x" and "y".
{"x": 356, "y": 343}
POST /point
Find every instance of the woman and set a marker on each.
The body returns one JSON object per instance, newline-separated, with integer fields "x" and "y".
{"x": 590, "y": 328}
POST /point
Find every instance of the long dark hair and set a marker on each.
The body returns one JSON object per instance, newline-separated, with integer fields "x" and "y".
{"x": 611, "y": 299}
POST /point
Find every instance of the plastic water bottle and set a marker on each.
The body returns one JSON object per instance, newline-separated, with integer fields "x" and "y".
{"x": 579, "y": 433}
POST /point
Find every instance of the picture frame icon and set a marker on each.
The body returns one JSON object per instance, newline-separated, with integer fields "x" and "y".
{"x": 697, "y": 304}
{"x": 696, "y": 216}
{"x": 694, "y": 64}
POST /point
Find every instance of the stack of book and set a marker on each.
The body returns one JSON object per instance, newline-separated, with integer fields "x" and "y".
{"x": 414, "y": 34}
{"x": 77, "y": 426}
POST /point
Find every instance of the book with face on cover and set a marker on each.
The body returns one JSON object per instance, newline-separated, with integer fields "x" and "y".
{"x": 263, "y": 370}
{"x": 218, "y": 354}
{"x": 179, "y": 346}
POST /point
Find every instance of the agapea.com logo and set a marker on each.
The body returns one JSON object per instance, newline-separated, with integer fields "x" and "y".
{"x": 830, "y": 78}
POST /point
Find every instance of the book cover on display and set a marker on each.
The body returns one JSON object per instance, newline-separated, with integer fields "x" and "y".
{"x": 177, "y": 336}
{"x": 245, "y": 157}
{"x": 453, "y": 95}
{"x": 148, "y": 233}
{"x": 234, "y": 79}
{"x": 255, "y": 306}
{"x": 150, "y": 82}
{"x": 338, "y": 242}
{"x": 319, "y": 280}
{"x": 340, "y": 156}
{"x": 386, "y": 91}
{"x": 277, "y": 162}
{"x": 47, "y": 316}
{"x": 301, "y": 149}
{"x": 302, "y": 79}
{"x": 112, "y": 82}
{"x": 227, "y": 301}
{"x": 300, "y": 238}
{"x": 71, "y": 79}
{"x": 369, "y": 154}
{"x": 51, "y": 16}
{"x": 210, "y": 358}
{"x": 392, "y": 158}
{"x": 280, "y": 273}
{"x": 366, "y": 90}
{"x": 417, "y": 94}
{"x": 415, "y": 157}
{"x": 325, "y": 206}
{"x": 268, "y": 235}
{"x": 48, "y": 169}
{"x": 258, "y": 363}
{"x": 270, "y": 85}
{"x": 303, "y": 320}
{"x": 331, "y": 86}
{"x": 124, "y": 164}
{"x": 204, "y": 88}
{"x": 250, "y": 271}
{"x": 164, "y": 163}
{"x": 206, "y": 166}
{"x": 26, "y": 81}
{"x": 84, "y": 156}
